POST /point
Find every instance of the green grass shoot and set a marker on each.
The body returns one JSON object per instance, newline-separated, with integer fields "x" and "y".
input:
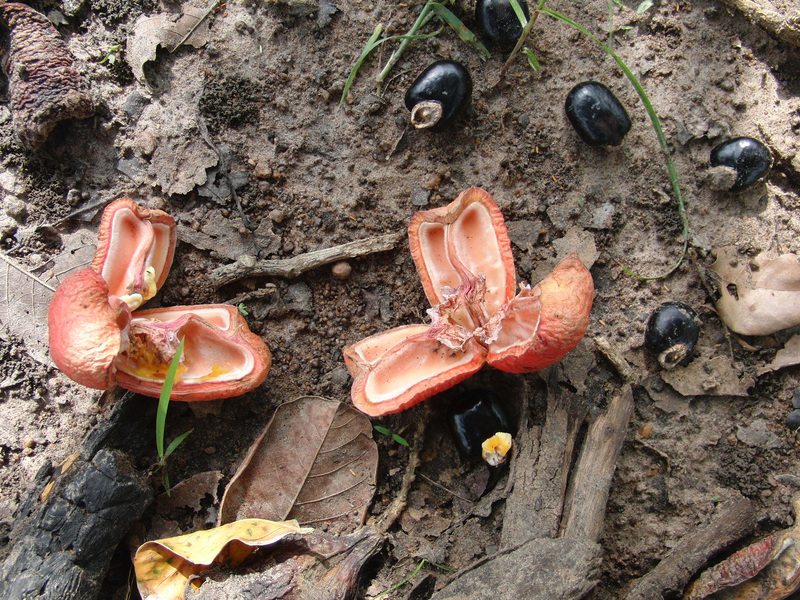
{"x": 429, "y": 11}
{"x": 662, "y": 140}
{"x": 386, "y": 431}
{"x": 161, "y": 418}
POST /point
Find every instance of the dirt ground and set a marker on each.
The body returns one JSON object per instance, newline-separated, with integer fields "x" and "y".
{"x": 265, "y": 83}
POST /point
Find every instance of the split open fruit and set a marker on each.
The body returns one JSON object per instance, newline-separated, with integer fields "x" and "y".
{"x": 463, "y": 255}
{"x": 99, "y": 339}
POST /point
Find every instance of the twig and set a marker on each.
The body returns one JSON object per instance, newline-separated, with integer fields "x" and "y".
{"x": 441, "y": 487}
{"x": 616, "y": 359}
{"x": 296, "y": 265}
{"x": 785, "y": 27}
{"x": 585, "y": 506}
{"x": 526, "y": 31}
{"x": 194, "y": 27}
{"x": 400, "y": 501}
{"x": 225, "y": 169}
{"x": 13, "y": 264}
{"x": 693, "y": 551}
{"x": 424, "y": 16}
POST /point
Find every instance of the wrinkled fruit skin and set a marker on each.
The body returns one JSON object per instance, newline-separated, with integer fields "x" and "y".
{"x": 596, "y": 114}
{"x": 99, "y": 339}
{"x": 44, "y": 87}
{"x": 748, "y": 157}
{"x": 447, "y": 82}
{"x": 497, "y": 23}
{"x": 463, "y": 255}
{"x": 85, "y": 343}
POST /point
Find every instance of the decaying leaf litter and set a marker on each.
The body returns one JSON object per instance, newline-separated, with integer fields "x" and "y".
{"x": 265, "y": 88}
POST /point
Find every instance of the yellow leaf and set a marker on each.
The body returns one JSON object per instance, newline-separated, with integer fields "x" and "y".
{"x": 164, "y": 566}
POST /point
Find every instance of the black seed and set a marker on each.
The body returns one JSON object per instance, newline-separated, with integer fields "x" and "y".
{"x": 793, "y": 420}
{"x": 748, "y": 157}
{"x": 476, "y": 416}
{"x": 672, "y": 333}
{"x": 596, "y": 114}
{"x": 446, "y": 83}
{"x": 497, "y": 23}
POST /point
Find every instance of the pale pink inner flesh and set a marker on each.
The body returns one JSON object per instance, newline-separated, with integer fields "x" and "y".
{"x": 136, "y": 244}
{"x": 129, "y": 245}
{"x": 520, "y": 324}
{"x": 374, "y": 347}
{"x": 410, "y": 364}
{"x": 470, "y": 240}
{"x": 473, "y": 237}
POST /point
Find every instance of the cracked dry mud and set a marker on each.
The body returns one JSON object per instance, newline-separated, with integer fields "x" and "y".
{"x": 263, "y": 91}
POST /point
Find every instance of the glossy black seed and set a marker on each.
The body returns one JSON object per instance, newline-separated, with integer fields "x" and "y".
{"x": 497, "y": 23}
{"x": 596, "y": 114}
{"x": 672, "y": 333}
{"x": 748, "y": 157}
{"x": 793, "y": 420}
{"x": 446, "y": 83}
{"x": 475, "y": 416}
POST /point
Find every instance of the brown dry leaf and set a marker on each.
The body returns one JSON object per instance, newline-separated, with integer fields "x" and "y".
{"x": 315, "y": 462}
{"x": 162, "y": 30}
{"x": 788, "y": 356}
{"x": 759, "y": 296}
{"x": 708, "y": 375}
{"x": 163, "y": 567}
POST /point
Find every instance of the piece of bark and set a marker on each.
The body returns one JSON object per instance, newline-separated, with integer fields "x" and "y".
{"x": 670, "y": 576}
{"x": 585, "y": 506}
{"x": 296, "y": 265}
{"x": 539, "y": 569}
{"x": 541, "y": 470}
{"x": 782, "y": 23}
{"x": 66, "y": 531}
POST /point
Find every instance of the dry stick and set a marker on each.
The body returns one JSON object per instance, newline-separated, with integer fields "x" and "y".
{"x": 533, "y": 510}
{"x": 400, "y": 501}
{"x": 13, "y": 263}
{"x": 671, "y": 575}
{"x": 294, "y": 266}
{"x": 585, "y": 506}
{"x": 785, "y": 27}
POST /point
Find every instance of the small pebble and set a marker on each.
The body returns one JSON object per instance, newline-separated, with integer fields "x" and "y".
{"x": 28, "y": 442}
{"x": 277, "y": 216}
{"x": 646, "y": 430}
{"x": 793, "y": 420}
{"x": 342, "y": 270}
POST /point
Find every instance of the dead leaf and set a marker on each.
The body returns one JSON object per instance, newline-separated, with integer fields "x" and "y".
{"x": 708, "y": 376}
{"x": 163, "y": 567}
{"x": 189, "y": 493}
{"x": 788, "y": 356}
{"x": 315, "y": 462}
{"x": 759, "y": 296}
{"x": 162, "y": 30}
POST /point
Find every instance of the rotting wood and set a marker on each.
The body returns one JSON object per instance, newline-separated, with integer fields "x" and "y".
{"x": 296, "y": 265}
{"x": 670, "y": 576}
{"x": 534, "y": 507}
{"x": 782, "y": 24}
{"x": 585, "y": 506}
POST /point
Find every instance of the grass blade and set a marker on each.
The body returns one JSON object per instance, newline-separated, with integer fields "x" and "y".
{"x": 175, "y": 443}
{"x": 372, "y": 43}
{"x": 523, "y": 20}
{"x": 163, "y": 400}
{"x": 447, "y": 17}
{"x": 662, "y": 140}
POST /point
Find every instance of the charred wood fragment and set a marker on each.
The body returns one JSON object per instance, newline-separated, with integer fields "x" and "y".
{"x": 44, "y": 87}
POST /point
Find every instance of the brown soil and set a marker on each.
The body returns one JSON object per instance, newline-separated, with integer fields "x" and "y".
{"x": 266, "y": 84}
